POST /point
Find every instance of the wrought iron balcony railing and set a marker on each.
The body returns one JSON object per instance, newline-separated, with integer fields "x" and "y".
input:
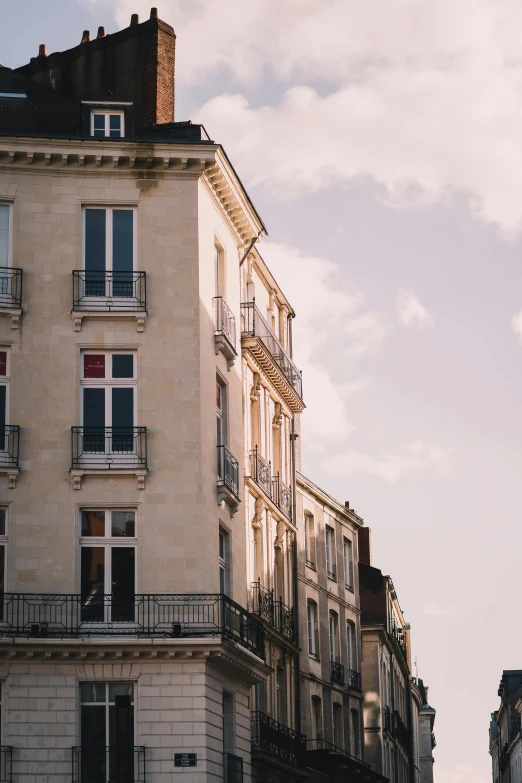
{"x": 108, "y": 764}
{"x": 254, "y": 325}
{"x": 228, "y": 470}
{"x": 106, "y": 448}
{"x": 387, "y": 720}
{"x": 401, "y": 731}
{"x": 400, "y": 637}
{"x": 337, "y": 672}
{"x": 282, "y": 496}
{"x": 354, "y": 679}
{"x": 269, "y": 736}
{"x": 278, "y": 616}
{"x": 111, "y": 291}
{"x": 173, "y": 616}
{"x": 233, "y": 769}
{"x": 260, "y": 471}
{"x": 224, "y": 320}
{"x": 10, "y": 287}
{"x": 9, "y": 446}
{"x": 6, "y": 764}
{"x": 320, "y": 744}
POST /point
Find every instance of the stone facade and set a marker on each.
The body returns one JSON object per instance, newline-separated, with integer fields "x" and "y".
{"x": 505, "y": 731}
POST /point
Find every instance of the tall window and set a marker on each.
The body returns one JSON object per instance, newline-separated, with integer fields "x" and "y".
{"x": 108, "y": 399}
{"x": 107, "y": 124}
{"x": 350, "y": 636}
{"x": 317, "y": 718}
{"x": 3, "y": 553}
{"x": 330, "y": 552}
{"x": 109, "y": 251}
{"x": 348, "y": 563}
{"x": 281, "y": 694}
{"x": 313, "y": 646}
{"x": 310, "y": 540}
{"x": 108, "y": 565}
{"x": 337, "y": 725}
{"x": 355, "y": 748}
{"x": 221, "y": 412}
{"x": 224, "y": 576}
{"x": 5, "y": 372}
{"x": 334, "y": 636}
{"x": 219, "y": 270}
{"x": 4, "y": 235}
{"x": 107, "y": 731}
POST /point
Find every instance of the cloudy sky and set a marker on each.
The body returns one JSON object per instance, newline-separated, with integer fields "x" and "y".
{"x": 381, "y": 141}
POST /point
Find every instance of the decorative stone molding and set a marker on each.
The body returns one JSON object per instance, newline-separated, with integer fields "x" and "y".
{"x": 256, "y": 388}
{"x": 77, "y": 475}
{"x": 259, "y": 510}
{"x": 277, "y": 420}
{"x": 280, "y": 535}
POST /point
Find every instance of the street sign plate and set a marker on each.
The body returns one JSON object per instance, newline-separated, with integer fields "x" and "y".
{"x": 185, "y": 759}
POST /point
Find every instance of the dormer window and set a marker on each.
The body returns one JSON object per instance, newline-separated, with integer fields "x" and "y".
{"x": 107, "y": 124}
{"x": 13, "y": 94}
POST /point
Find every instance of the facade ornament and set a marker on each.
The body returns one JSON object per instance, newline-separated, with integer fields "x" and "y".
{"x": 278, "y": 416}
{"x": 257, "y": 519}
{"x": 256, "y": 388}
{"x": 280, "y": 535}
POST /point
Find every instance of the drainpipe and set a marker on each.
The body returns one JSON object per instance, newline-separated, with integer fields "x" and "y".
{"x": 395, "y": 754}
{"x": 293, "y": 438}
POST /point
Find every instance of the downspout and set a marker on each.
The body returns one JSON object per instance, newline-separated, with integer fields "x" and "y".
{"x": 293, "y": 438}
{"x": 395, "y": 754}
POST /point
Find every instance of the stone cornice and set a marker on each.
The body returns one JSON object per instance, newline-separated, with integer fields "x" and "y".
{"x": 347, "y": 515}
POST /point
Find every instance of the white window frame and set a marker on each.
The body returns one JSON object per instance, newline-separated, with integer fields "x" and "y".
{"x": 109, "y": 211}
{"x": 224, "y": 561}
{"x": 106, "y": 113}
{"x": 333, "y": 635}
{"x": 348, "y": 563}
{"x": 309, "y": 540}
{"x": 108, "y": 542}
{"x": 331, "y": 570}
{"x": 108, "y": 703}
{"x": 311, "y": 609}
{"x": 351, "y": 645}
{"x": 5, "y": 380}
{"x": 109, "y": 383}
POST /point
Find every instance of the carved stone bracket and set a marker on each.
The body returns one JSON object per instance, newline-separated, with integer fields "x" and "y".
{"x": 256, "y": 388}
{"x": 139, "y": 316}
{"x": 259, "y": 509}
{"x": 278, "y": 416}
{"x": 280, "y": 535}
{"x": 12, "y": 476}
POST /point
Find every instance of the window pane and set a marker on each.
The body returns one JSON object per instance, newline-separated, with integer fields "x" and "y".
{"x": 222, "y": 546}
{"x": 2, "y": 569}
{"x": 93, "y": 734}
{"x": 115, "y": 125}
{"x": 4, "y": 234}
{"x": 93, "y": 365}
{"x": 123, "y": 408}
{"x": 99, "y": 121}
{"x": 3, "y": 514}
{"x": 123, "y": 524}
{"x": 122, "y": 241}
{"x": 93, "y": 523}
{"x": 123, "y": 583}
{"x": 3, "y": 362}
{"x": 94, "y": 408}
{"x": 92, "y": 692}
{"x": 92, "y": 583}
{"x": 123, "y": 365}
{"x": 95, "y": 237}
{"x": 120, "y": 689}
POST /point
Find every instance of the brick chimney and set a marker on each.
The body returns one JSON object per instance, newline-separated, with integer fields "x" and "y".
{"x": 365, "y": 545}
{"x": 158, "y": 72}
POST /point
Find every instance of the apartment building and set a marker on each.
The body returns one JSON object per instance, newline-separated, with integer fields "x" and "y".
{"x": 505, "y": 731}
{"x": 331, "y": 697}
{"x": 146, "y": 553}
{"x": 425, "y": 721}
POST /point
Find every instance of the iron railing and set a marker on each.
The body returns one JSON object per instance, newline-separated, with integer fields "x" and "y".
{"x": 281, "y": 496}
{"x": 354, "y": 679}
{"x": 387, "y": 720}
{"x": 10, "y": 287}
{"x": 278, "y": 616}
{"x": 269, "y": 736}
{"x": 9, "y": 446}
{"x": 337, "y": 672}
{"x": 233, "y": 768}
{"x": 175, "y": 616}
{"x": 6, "y": 764}
{"x": 254, "y": 325}
{"x": 106, "y": 448}
{"x": 224, "y": 320}
{"x": 111, "y": 291}
{"x": 401, "y": 731}
{"x": 108, "y": 764}
{"x": 400, "y": 637}
{"x": 228, "y": 470}
{"x": 322, "y": 744}
{"x": 260, "y": 471}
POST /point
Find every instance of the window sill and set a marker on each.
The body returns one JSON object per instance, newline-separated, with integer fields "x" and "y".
{"x": 350, "y": 588}
{"x": 77, "y": 474}
{"x": 314, "y": 657}
{"x": 311, "y": 565}
{"x": 140, "y": 316}
{"x": 15, "y": 313}
{"x": 333, "y": 577}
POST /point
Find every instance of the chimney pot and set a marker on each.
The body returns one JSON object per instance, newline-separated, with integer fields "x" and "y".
{"x": 347, "y": 504}
{"x": 153, "y": 13}
{"x": 135, "y": 19}
{"x": 42, "y": 51}
{"x": 86, "y": 36}
{"x": 101, "y": 32}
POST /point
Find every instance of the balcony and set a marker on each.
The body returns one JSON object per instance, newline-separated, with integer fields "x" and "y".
{"x": 273, "y": 487}
{"x": 337, "y": 672}
{"x": 11, "y": 294}
{"x": 401, "y": 731}
{"x": 170, "y": 616}
{"x": 6, "y": 764}
{"x": 10, "y": 452}
{"x": 400, "y": 637}
{"x": 354, "y": 680}
{"x": 275, "y": 613}
{"x": 269, "y": 736}
{"x": 274, "y": 359}
{"x": 328, "y": 759}
{"x": 387, "y": 720}
{"x": 117, "y": 449}
{"x": 224, "y": 330}
{"x": 109, "y": 294}
{"x": 233, "y": 769}
{"x": 228, "y": 478}
{"x": 108, "y": 765}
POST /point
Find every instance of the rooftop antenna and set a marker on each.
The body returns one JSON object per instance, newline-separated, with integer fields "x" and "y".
{"x": 416, "y": 669}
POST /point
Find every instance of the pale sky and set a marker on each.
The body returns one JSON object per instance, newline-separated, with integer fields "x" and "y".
{"x": 381, "y": 141}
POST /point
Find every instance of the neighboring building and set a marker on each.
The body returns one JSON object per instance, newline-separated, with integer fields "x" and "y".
{"x": 392, "y": 701}
{"x": 505, "y": 732}
{"x": 330, "y": 637}
{"x": 426, "y": 737}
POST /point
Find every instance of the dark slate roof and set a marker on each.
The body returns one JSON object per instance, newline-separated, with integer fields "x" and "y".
{"x": 43, "y": 112}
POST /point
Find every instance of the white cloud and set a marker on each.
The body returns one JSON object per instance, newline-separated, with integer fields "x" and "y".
{"x": 410, "y": 310}
{"x": 392, "y": 466}
{"x": 516, "y": 324}
{"x": 422, "y": 98}
{"x": 435, "y": 610}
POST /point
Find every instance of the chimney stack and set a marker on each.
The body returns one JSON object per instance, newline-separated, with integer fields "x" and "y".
{"x": 135, "y": 19}
{"x": 42, "y": 51}
{"x": 153, "y": 13}
{"x": 86, "y": 37}
{"x": 101, "y": 32}
{"x": 365, "y": 545}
